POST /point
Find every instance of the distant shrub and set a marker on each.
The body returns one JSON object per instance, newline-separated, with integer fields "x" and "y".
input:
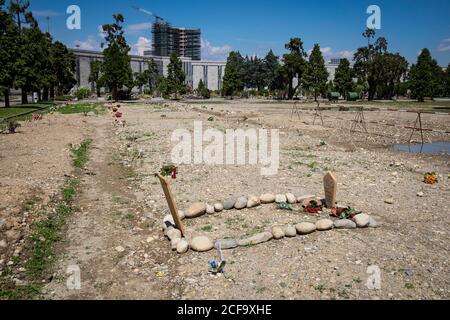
{"x": 82, "y": 93}
{"x": 12, "y": 125}
{"x": 63, "y": 98}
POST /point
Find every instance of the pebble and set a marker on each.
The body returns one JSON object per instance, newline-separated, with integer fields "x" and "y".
{"x": 291, "y": 198}
{"x": 201, "y": 244}
{"x": 195, "y": 210}
{"x": 120, "y": 249}
{"x": 210, "y": 209}
{"x": 226, "y": 244}
{"x": 420, "y": 194}
{"x": 3, "y": 244}
{"x": 174, "y": 243}
{"x": 267, "y": 198}
{"x": 324, "y": 225}
{"x": 277, "y": 233}
{"x": 218, "y": 207}
{"x": 229, "y": 204}
{"x": 256, "y": 239}
{"x": 290, "y": 231}
{"x": 389, "y": 201}
{"x": 373, "y": 223}
{"x": 168, "y": 222}
{"x": 302, "y": 198}
{"x": 344, "y": 224}
{"x": 182, "y": 246}
{"x": 305, "y": 228}
{"x": 181, "y": 214}
{"x": 241, "y": 203}
{"x": 362, "y": 220}
{"x": 253, "y": 201}
{"x": 173, "y": 234}
{"x": 279, "y": 198}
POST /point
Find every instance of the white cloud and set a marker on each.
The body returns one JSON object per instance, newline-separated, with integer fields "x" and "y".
{"x": 141, "y": 45}
{"x": 89, "y": 44}
{"x": 214, "y": 53}
{"x": 444, "y": 45}
{"x": 138, "y": 28}
{"x": 101, "y": 33}
{"x": 328, "y": 53}
{"x": 45, "y": 13}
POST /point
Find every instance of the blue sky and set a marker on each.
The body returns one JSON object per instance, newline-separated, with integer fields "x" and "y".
{"x": 253, "y": 27}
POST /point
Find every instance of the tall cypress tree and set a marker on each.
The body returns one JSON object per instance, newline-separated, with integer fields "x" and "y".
{"x": 423, "y": 77}
{"x": 316, "y": 75}
{"x": 343, "y": 78}
{"x": 232, "y": 79}
{"x": 117, "y": 71}
{"x": 175, "y": 75}
{"x": 271, "y": 64}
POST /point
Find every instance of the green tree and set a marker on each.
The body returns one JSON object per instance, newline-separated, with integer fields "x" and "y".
{"x": 390, "y": 69}
{"x": 447, "y": 81}
{"x": 232, "y": 79}
{"x": 294, "y": 64}
{"x": 148, "y": 77}
{"x": 175, "y": 75}
{"x": 117, "y": 71}
{"x": 423, "y": 76}
{"x": 95, "y": 75}
{"x": 164, "y": 87}
{"x": 202, "y": 90}
{"x": 271, "y": 64}
{"x": 316, "y": 75}
{"x": 343, "y": 78}
{"x": 63, "y": 66}
{"x": 26, "y": 40}
{"x": 8, "y": 53}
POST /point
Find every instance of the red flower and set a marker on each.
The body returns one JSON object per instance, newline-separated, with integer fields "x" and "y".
{"x": 118, "y": 114}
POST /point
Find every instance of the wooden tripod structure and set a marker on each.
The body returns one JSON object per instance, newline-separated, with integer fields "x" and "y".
{"x": 295, "y": 110}
{"x": 359, "y": 121}
{"x": 318, "y": 113}
{"x": 417, "y": 127}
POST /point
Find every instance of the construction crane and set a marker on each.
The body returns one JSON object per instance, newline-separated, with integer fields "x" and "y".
{"x": 158, "y": 18}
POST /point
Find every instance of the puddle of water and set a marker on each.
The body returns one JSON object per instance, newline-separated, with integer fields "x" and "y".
{"x": 439, "y": 147}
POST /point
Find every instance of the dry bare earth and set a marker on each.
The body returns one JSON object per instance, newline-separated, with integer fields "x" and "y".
{"x": 122, "y": 205}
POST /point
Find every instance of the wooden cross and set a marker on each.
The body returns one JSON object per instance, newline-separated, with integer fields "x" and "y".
{"x": 172, "y": 204}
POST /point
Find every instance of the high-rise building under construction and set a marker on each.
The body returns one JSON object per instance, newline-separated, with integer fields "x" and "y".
{"x": 167, "y": 39}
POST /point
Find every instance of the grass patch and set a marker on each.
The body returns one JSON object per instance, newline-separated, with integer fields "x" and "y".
{"x": 23, "y": 108}
{"x": 81, "y": 108}
{"x": 40, "y": 254}
{"x": 207, "y": 228}
{"x": 80, "y": 153}
{"x": 409, "y": 285}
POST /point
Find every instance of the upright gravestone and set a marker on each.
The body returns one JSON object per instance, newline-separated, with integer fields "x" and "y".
{"x": 330, "y": 186}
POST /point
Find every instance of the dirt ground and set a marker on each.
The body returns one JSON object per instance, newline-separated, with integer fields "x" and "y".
{"x": 116, "y": 236}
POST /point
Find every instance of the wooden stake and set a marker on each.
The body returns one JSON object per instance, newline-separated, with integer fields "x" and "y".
{"x": 172, "y": 204}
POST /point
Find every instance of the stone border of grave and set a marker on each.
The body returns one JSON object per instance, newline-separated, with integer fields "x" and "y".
{"x": 202, "y": 243}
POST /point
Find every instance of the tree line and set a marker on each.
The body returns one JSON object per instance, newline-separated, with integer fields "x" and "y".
{"x": 376, "y": 73}
{"x": 29, "y": 58}
{"x": 31, "y": 61}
